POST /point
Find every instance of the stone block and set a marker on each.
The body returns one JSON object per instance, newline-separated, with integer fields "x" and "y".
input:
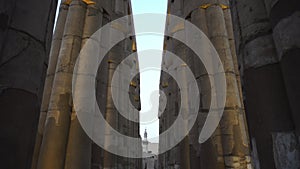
{"x": 286, "y": 34}
{"x": 260, "y": 52}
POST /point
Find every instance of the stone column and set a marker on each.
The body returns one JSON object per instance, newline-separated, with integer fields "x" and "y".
{"x": 164, "y": 88}
{"x": 79, "y": 144}
{"x": 267, "y": 104}
{"x": 210, "y": 152}
{"x": 185, "y": 160}
{"x": 285, "y": 22}
{"x": 109, "y": 159}
{"x": 25, "y": 40}
{"x": 284, "y": 17}
{"x": 53, "y": 57}
{"x": 233, "y": 132}
{"x": 56, "y": 132}
{"x": 101, "y": 95}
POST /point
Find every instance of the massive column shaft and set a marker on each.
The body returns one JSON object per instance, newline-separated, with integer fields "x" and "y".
{"x": 268, "y": 102}
{"x": 53, "y": 57}
{"x": 100, "y": 158}
{"x": 233, "y": 129}
{"x": 229, "y": 145}
{"x": 25, "y": 39}
{"x": 53, "y": 148}
{"x": 284, "y": 17}
{"x": 213, "y": 145}
{"x": 185, "y": 161}
{"x": 79, "y": 144}
{"x": 109, "y": 160}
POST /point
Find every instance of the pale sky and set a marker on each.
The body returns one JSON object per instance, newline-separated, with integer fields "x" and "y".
{"x": 149, "y": 76}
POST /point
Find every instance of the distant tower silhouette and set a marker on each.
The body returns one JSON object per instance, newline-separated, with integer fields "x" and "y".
{"x": 145, "y": 142}
{"x": 145, "y": 134}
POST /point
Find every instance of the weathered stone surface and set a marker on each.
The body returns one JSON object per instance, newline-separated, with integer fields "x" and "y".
{"x": 58, "y": 117}
{"x": 269, "y": 5}
{"x": 264, "y": 87}
{"x": 54, "y": 53}
{"x": 79, "y": 147}
{"x": 16, "y": 146}
{"x": 119, "y": 7}
{"x": 93, "y": 22}
{"x": 286, "y": 34}
{"x": 6, "y": 11}
{"x": 198, "y": 18}
{"x": 253, "y": 19}
{"x": 265, "y": 36}
{"x": 254, "y": 154}
{"x": 286, "y": 150}
{"x": 228, "y": 139}
{"x": 289, "y": 66}
{"x": 17, "y": 69}
{"x": 260, "y": 52}
{"x": 25, "y": 18}
{"x": 25, "y": 33}
{"x": 282, "y": 9}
